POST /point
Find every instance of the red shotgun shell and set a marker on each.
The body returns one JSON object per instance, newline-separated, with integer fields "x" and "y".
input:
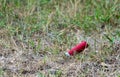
{"x": 77, "y": 49}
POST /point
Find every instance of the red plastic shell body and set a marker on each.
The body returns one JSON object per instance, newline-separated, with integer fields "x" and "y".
{"x": 78, "y": 48}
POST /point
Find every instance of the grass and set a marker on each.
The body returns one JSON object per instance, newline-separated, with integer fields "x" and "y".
{"x": 50, "y": 27}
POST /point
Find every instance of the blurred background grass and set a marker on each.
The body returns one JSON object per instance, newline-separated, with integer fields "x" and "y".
{"x": 29, "y": 16}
